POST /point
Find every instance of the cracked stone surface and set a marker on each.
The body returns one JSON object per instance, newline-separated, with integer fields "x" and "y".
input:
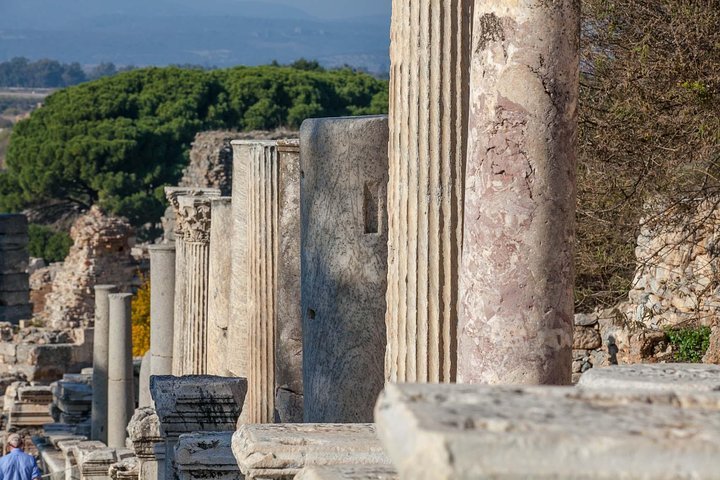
{"x": 206, "y": 455}
{"x": 514, "y": 432}
{"x": 677, "y": 377}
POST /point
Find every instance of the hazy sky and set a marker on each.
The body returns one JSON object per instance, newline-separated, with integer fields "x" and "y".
{"x": 340, "y": 8}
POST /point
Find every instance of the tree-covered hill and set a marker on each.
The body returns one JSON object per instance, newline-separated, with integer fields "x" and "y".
{"x": 116, "y": 141}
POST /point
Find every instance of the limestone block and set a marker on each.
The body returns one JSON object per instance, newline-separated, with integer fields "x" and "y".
{"x": 95, "y": 464}
{"x": 197, "y": 403}
{"x": 206, "y": 455}
{"x": 162, "y": 300}
{"x": 144, "y": 432}
{"x": 126, "y": 469}
{"x": 713, "y": 352}
{"x": 8, "y": 299}
{"x": 676, "y": 377}
{"x": 13, "y": 223}
{"x": 288, "y": 328}
{"x": 349, "y": 472}
{"x": 280, "y": 451}
{"x": 514, "y": 432}
{"x": 586, "y": 338}
{"x": 220, "y": 272}
{"x": 429, "y": 53}
{"x": 344, "y": 265}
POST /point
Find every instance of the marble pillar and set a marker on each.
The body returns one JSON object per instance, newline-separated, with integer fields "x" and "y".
{"x": 196, "y": 217}
{"x": 173, "y": 194}
{"x": 220, "y": 272}
{"x": 121, "y": 398}
{"x": 144, "y": 399}
{"x": 99, "y": 415}
{"x": 429, "y": 52}
{"x": 516, "y": 296}
{"x": 162, "y": 304}
{"x": 288, "y": 316}
{"x": 344, "y": 265}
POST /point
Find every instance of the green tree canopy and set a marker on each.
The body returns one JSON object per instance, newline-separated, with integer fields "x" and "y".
{"x": 117, "y": 140}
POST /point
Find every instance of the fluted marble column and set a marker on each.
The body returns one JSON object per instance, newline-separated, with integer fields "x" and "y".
{"x": 162, "y": 304}
{"x": 173, "y": 194}
{"x": 429, "y": 53}
{"x": 196, "y": 216}
{"x": 99, "y": 416}
{"x": 219, "y": 285}
{"x": 516, "y": 313}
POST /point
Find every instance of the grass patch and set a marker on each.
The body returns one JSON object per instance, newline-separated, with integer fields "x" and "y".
{"x": 689, "y": 344}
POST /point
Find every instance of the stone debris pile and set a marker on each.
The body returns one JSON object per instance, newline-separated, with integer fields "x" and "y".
{"x": 72, "y": 400}
{"x": 27, "y": 405}
{"x": 14, "y": 281}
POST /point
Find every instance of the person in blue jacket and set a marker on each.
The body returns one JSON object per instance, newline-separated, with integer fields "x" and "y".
{"x": 18, "y": 465}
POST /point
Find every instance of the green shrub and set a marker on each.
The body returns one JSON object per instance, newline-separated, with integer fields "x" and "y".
{"x": 690, "y": 344}
{"x": 48, "y": 244}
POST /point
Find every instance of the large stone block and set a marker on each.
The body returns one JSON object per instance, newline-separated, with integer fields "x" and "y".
{"x": 14, "y": 282}
{"x": 280, "y": 451}
{"x": 344, "y": 177}
{"x": 478, "y": 431}
{"x": 199, "y": 456}
{"x": 13, "y": 223}
{"x": 13, "y": 241}
{"x": 349, "y": 472}
{"x": 11, "y": 299}
{"x": 14, "y": 261}
{"x": 675, "y": 377}
{"x": 15, "y": 313}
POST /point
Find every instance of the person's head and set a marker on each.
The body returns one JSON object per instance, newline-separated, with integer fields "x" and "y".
{"x": 14, "y": 441}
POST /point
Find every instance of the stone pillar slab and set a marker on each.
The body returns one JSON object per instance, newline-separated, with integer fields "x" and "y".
{"x": 220, "y": 273}
{"x": 99, "y": 416}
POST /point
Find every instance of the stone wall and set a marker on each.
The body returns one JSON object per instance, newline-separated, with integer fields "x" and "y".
{"x": 101, "y": 254}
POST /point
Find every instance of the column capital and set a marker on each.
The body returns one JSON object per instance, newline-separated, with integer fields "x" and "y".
{"x": 194, "y": 218}
{"x": 173, "y": 195}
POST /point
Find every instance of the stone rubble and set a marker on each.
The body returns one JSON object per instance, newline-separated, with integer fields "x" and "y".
{"x": 27, "y": 405}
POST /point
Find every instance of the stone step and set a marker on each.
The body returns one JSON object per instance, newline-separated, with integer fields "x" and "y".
{"x": 478, "y": 431}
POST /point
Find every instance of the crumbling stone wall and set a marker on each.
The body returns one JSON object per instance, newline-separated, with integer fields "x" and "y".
{"x": 101, "y": 254}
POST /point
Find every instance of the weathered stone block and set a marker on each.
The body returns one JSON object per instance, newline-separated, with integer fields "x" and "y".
{"x": 675, "y": 377}
{"x": 200, "y": 456}
{"x": 220, "y": 272}
{"x": 14, "y": 282}
{"x": 586, "y": 338}
{"x": 13, "y": 223}
{"x": 14, "y": 261}
{"x": 349, "y": 472}
{"x": 280, "y": 451}
{"x": 8, "y": 299}
{"x": 344, "y": 177}
{"x": 13, "y": 241}
{"x": 477, "y": 431}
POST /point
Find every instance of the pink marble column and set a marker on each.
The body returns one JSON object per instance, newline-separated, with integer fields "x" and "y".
{"x": 516, "y": 277}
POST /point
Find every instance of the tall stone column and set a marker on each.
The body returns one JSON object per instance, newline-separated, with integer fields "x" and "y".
{"x": 288, "y": 327}
{"x": 162, "y": 304}
{"x": 173, "y": 194}
{"x": 220, "y": 272}
{"x": 344, "y": 266}
{"x": 121, "y": 397}
{"x": 429, "y": 53}
{"x": 516, "y": 313}
{"x": 196, "y": 215}
{"x": 99, "y": 415}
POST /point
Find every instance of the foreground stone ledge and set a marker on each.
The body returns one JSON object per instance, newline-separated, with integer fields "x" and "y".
{"x": 677, "y": 377}
{"x": 475, "y": 431}
{"x": 206, "y": 455}
{"x": 280, "y": 451}
{"x": 349, "y": 472}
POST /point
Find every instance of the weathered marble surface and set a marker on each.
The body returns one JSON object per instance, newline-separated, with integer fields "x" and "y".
{"x": 514, "y": 432}
{"x": 676, "y": 377}
{"x": 429, "y": 53}
{"x": 144, "y": 436}
{"x": 220, "y": 270}
{"x": 344, "y": 265}
{"x": 515, "y": 316}
{"x": 349, "y": 472}
{"x": 101, "y": 338}
{"x": 280, "y": 451}
{"x": 162, "y": 305}
{"x": 206, "y": 455}
{"x": 121, "y": 382}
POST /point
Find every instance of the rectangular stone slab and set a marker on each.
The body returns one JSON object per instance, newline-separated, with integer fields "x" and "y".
{"x": 14, "y": 261}
{"x": 349, "y": 472}
{"x": 476, "y": 431}
{"x": 15, "y": 313}
{"x": 14, "y": 282}
{"x": 13, "y": 223}
{"x": 677, "y": 377}
{"x": 280, "y": 451}
{"x": 13, "y": 241}
{"x": 206, "y": 455}
{"x": 11, "y": 299}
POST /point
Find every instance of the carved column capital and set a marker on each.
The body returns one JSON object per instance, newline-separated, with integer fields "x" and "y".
{"x": 173, "y": 195}
{"x": 195, "y": 216}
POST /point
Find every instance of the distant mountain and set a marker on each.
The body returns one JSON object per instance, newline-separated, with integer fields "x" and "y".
{"x": 209, "y": 32}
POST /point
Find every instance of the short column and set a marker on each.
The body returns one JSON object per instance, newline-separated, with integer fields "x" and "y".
{"x": 162, "y": 300}
{"x": 99, "y": 416}
{"x": 220, "y": 272}
{"x": 121, "y": 398}
{"x": 515, "y": 319}
{"x": 196, "y": 214}
{"x": 344, "y": 176}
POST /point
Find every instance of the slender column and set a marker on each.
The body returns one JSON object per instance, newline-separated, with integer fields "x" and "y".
{"x": 288, "y": 327}
{"x": 99, "y": 416}
{"x": 162, "y": 304}
{"x": 219, "y": 285}
{"x": 121, "y": 399}
{"x": 173, "y": 194}
{"x": 144, "y": 399}
{"x": 196, "y": 237}
{"x": 516, "y": 313}
{"x": 343, "y": 265}
{"x": 428, "y": 117}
